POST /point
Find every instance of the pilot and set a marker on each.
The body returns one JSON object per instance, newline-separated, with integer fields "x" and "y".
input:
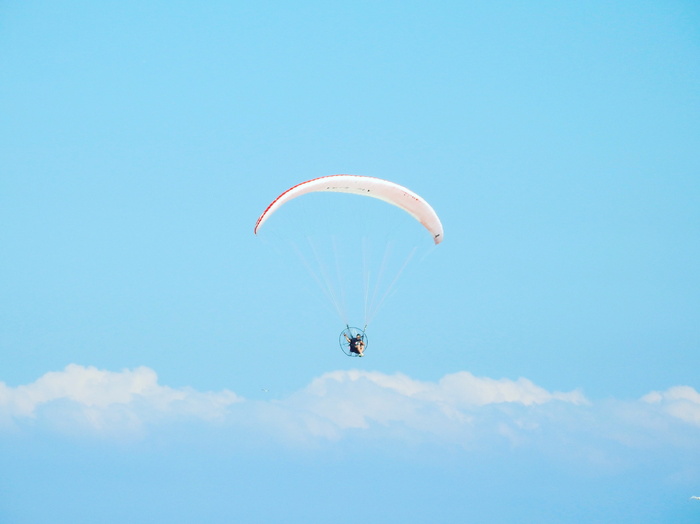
{"x": 357, "y": 346}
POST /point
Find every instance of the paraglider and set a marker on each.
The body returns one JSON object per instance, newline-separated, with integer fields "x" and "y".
{"x": 353, "y": 341}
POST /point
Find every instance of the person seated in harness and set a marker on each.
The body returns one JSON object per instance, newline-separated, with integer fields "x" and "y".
{"x": 357, "y": 345}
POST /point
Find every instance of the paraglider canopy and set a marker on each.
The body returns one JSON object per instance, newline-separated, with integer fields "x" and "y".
{"x": 385, "y": 190}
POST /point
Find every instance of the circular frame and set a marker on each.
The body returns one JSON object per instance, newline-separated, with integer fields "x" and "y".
{"x": 352, "y": 332}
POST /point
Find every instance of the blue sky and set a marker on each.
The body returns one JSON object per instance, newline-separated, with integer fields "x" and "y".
{"x": 540, "y": 365}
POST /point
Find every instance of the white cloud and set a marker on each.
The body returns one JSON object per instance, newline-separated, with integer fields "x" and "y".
{"x": 459, "y": 389}
{"x": 106, "y": 401}
{"x": 465, "y": 389}
{"x": 359, "y": 399}
{"x": 459, "y": 409}
{"x": 681, "y": 402}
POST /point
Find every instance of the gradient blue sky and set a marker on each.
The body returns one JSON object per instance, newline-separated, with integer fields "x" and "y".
{"x": 540, "y": 366}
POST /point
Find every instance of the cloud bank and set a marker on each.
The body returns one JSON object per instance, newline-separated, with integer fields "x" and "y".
{"x": 460, "y": 410}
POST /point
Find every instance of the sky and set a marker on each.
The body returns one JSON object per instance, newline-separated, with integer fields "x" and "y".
{"x": 161, "y": 363}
